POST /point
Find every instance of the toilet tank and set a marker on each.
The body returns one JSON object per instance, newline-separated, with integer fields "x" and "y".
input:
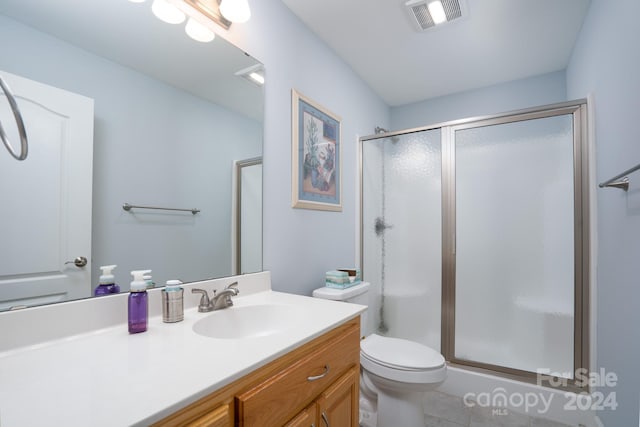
{"x": 358, "y": 294}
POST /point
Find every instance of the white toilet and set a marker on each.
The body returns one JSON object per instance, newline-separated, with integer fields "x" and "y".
{"x": 395, "y": 372}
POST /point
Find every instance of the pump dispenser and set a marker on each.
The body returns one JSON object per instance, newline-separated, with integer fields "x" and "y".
{"x": 149, "y": 281}
{"x": 107, "y": 284}
{"x": 172, "y": 302}
{"x": 138, "y": 302}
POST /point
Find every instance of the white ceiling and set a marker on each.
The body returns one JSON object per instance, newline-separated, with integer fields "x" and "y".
{"x": 497, "y": 41}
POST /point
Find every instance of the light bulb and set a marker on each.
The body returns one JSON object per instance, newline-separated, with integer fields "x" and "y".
{"x": 167, "y": 12}
{"x": 199, "y": 32}
{"x": 235, "y": 10}
{"x": 137, "y": 1}
{"x": 257, "y": 77}
{"x": 437, "y": 12}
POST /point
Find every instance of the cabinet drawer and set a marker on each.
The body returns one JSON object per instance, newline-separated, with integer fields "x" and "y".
{"x": 272, "y": 402}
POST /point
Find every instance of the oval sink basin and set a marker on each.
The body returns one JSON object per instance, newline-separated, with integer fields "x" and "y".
{"x": 249, "y": 321}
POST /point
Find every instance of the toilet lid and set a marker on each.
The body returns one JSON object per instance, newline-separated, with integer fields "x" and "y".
{"x": 400, "y": 353}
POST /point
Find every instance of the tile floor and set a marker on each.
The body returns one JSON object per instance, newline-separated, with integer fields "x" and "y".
{"x": 443, "y": 410}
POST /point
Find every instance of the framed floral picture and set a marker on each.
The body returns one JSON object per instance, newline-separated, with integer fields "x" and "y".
{"x": 316, "y": 156}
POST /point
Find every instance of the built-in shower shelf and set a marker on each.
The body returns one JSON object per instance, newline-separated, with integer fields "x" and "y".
{"x": 544, "y": 306}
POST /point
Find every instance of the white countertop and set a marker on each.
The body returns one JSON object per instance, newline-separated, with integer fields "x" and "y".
{"x": 110, "y": 378}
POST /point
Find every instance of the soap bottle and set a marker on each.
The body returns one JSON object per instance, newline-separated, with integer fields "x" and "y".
{"x": 149, "y": 281}
{"x": 172, "y": 302}
{"x": 138, "y": 303}
{"x": 106, "y": 283}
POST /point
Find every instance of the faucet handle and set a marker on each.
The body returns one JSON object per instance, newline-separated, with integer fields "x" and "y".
{"x": 234, "y": 286}
{"x": 204, "y": 300}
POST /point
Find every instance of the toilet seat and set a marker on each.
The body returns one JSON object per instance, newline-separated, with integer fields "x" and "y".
{"x": 401, "y": 360}
{"x": 399, "y": 353}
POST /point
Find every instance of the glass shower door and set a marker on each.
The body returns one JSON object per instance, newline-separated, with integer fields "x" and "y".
{"x": 402, "y": 234}
{"x": 514, "y": 244}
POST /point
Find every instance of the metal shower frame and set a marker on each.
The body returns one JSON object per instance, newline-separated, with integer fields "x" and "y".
{"x": 578, "y": 109}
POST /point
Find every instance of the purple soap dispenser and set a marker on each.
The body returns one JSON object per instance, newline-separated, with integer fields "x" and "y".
{"x": 107, "y": 284}
{"x": 138, "y": 303}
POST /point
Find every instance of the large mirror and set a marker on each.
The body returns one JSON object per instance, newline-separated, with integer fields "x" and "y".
{"x": 121, "y": 108}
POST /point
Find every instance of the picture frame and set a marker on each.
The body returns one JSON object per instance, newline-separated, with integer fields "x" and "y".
{"x": 316, "y": 157}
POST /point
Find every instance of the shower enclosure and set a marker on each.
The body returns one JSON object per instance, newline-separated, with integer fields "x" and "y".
{"x": 474, "y": 233}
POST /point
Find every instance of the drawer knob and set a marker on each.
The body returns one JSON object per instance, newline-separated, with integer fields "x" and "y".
{"x": 322, "y": 375}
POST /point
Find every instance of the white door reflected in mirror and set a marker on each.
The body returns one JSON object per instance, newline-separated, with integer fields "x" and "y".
{"x": 47, "y": 198}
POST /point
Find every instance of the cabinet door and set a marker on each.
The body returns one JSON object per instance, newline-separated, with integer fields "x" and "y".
{"x": 306, "y": 418}
{"x": 220, "y": 417}
{"x": 285, "y": 393}
{"x": 338, "y": 405}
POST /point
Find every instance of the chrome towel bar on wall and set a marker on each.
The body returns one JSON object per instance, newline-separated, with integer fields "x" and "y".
{"x": 127, "y": 207}
{"x": 621, "y": 180}
{"x": 24, "y": 143}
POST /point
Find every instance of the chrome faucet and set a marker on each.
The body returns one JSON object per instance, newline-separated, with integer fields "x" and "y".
{"x": 219, "y": 301}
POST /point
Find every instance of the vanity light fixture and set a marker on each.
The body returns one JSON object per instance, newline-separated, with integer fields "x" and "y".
{"x": 211, "y": 10}
{"x": 198, "y": 31}
{"x": 235, "y": 10}
{"x": 167, "y": 12}
{"x": 253, "y": 74}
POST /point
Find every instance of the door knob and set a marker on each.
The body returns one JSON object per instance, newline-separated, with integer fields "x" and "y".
{"x": 78, "y": 262}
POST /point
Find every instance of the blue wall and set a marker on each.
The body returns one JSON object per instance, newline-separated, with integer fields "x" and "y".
{"x": 301, "y": 245}
{"x": 606, "y": 64}
{"x": 530, "y": 92}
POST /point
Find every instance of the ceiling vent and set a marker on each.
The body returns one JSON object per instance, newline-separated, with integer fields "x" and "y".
{"x": 426, "y": 14}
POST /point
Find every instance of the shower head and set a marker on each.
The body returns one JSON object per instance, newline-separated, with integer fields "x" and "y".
{"x": 394, "y": 139}
{"x": 381, "y": 130}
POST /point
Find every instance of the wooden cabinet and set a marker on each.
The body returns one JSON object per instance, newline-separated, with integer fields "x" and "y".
{"x": 222, "y": 416}
{"x": 337, "y": 406}
{"x": 212, "y": 411}
{"x": 284, "y": 394}
{"x": 307, "y": 418}
{"x": 313, "y": 384}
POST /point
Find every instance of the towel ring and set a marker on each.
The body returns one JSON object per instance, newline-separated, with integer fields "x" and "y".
{"x": 24, "y": 144}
